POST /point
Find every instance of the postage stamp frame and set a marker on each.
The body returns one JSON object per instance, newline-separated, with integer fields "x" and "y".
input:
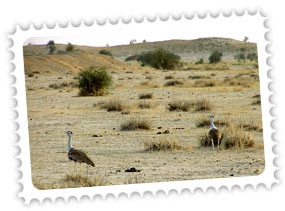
{"x": 29, "y": 192}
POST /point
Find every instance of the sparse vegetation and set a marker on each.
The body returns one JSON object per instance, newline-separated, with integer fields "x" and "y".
{"x": 173, "y": 83}
{"x": 146, "y": 95}
{"x": 94, "y": 81}
{"x": 200, "y": 61}
{"x": 168, "y": 77}
{"x": 180, "y": 105}
{"x": 114, "y": 105}
{"x": 233, "y": 137}
{"x": 202, "y": 105}
{"x": 136, "y": 124}
{"x": 145, "y": 104}
{"x": 165, "y": 145}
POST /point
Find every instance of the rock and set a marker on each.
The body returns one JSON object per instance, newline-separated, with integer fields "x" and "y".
{"x": 158, "y": 133}
{"x": 118, "y": 170}
{"x": 95, "y": 135}
{"x": 159, "y": 127}
{"x": 232, "y": 175}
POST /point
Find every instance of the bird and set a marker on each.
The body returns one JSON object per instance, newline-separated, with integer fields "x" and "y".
{"x": 214, "y": 133}
{"x": 77, "y": 155}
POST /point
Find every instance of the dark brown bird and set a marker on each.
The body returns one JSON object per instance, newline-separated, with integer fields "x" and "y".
{"x": 214, "y": 133}
{"x": 77, "y": 155}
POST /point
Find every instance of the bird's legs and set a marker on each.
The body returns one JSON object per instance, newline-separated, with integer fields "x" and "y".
{"x": 213, "y": 144}
{"x": 75, "y": 166}
{"x": 218, "y": 145}
{"x": 87, "y": 170}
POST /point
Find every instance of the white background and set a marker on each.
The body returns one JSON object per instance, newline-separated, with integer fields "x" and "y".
{"x": 24, "y": 12}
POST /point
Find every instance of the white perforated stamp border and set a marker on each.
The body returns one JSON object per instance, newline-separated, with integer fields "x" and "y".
{"x": 29, "y": 192}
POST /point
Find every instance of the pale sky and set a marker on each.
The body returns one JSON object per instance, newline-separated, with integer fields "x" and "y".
{"x": 228, "y": 27}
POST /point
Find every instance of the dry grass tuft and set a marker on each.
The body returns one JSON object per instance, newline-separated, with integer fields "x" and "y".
{"x": 73, "y": 181}
{"x": 146, "y": 96}
{"x": 233, "y": 137}
{"x": 146, "y": 105}
{"x": 206, "y": 83}
{"x": 82, "y": 181}
{"x": 204, "y": 121}
{"x": 136, "y": 124}
{"x": 173, "y": 83}
{"x": 114, "y": 105}
{"x": 179, "y": 105}
{"x": 168, "y": 77}
{"x": 165, "y": 145}
{"x": 257, "y": 100}
{"x": 203, "y": 105}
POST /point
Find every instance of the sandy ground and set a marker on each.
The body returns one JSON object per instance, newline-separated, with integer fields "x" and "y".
{"x": 51, "y": 112}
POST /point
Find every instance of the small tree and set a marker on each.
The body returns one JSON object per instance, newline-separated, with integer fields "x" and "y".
{"x": 239, "y": 57}
{"x": 105, "y": 52}
{"x": 252, "y": 56}
{"x": 69, "y": 47}
{"x": 245, "y": 39}
{"x": 51, "y": 46}
{"x": 94, "y": 81}
{"x": 215, "y": 57}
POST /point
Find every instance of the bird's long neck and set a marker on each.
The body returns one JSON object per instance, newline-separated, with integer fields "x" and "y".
{"x": 212, "y": 124}
{"x": 68, "y": 143}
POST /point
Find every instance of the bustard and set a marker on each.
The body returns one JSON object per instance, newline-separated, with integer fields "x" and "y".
{"x": 214, "y": 133}
{"x": 77, "y": 155}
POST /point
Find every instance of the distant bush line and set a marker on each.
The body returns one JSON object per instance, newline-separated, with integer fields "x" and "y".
{"x": 159, "y": 59}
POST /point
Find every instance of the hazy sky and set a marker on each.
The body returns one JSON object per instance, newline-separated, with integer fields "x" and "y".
{"x": 234, "y": 27}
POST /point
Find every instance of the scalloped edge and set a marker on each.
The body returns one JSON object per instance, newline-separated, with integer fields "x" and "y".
{"x": 163, "y": 188}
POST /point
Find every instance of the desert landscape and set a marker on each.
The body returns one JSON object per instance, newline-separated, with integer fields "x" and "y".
{"x": 152, "y": 124}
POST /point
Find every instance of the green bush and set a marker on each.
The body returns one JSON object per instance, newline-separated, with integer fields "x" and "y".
{"x": 252, "y": 56}
{"x": 215, "y": 57}
{"x": 105, "y": 52}
{"x": 159, "y": 59}
{"x": 94, "y": 81}
{"x": 69, "y": 47}
{"x": 200, "y": 61}
{"x": 239, "y": 56}
{"x": 51, "y": 46}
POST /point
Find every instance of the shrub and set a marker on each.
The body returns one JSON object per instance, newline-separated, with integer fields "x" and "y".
{"x": 159, "y": 59}
{"x": 232, "y": 138}
{"x": 215, "y": 57}
{"x": 82, "y": 181}
{"x": 146, "y": 96}
{"x": 203, "y": 105}
{"x": 94, "y": 81}
{"x": 105, "y": 52}
{"x": 69, "y": 47}
{"x": 136, "y": 124}
{"x": 252, "y": 56}
{"x": 114, "y": 105}
{"x": 168, "y": 77}
{"x": 162, "y": 145}
{"x": 179, "y": 105}
{"x": 145, "y": 105}
{"x": 200, "y": 61}
{"x": 51, "y": 46}
{"x": 203, "y": 121}
{"x": 173, "y": 83}
{"x": 235, "y": 138}
{"x": 239, "y": 56}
